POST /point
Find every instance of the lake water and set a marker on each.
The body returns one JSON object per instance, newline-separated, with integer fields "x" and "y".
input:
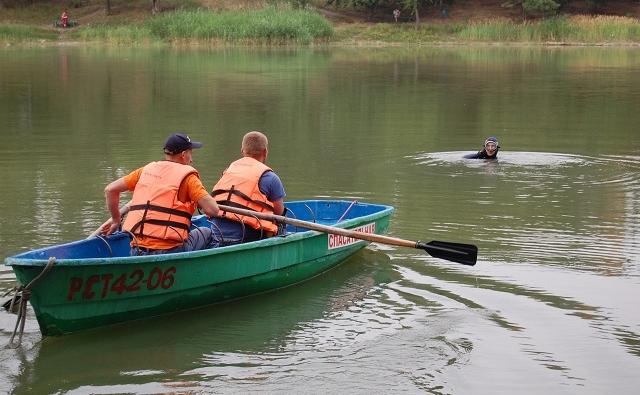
{"x": 551, "y": 306}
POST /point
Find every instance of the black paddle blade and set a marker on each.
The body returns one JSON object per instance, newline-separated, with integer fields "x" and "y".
{"x": 467, "y": 254}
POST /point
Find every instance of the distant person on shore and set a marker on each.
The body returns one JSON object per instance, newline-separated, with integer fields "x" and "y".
{"x": 250, "y": 184}
{"x": 64, "y": 19}
{"x": 396, "y": 14}
{"x": 489, "y": 151}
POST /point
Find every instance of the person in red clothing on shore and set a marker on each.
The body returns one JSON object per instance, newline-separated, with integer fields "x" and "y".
{"x": 64, "y": 19}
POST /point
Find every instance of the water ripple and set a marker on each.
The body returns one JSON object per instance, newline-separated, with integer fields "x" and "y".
{"x": 519, "y": 158}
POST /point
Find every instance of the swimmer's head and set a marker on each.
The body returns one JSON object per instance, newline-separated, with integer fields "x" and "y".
{"x": 491, "y": 145}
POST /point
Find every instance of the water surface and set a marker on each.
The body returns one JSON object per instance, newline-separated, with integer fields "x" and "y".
{"x": 549, "y": 308}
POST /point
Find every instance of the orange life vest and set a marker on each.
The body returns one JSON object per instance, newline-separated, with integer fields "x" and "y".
{"x": 155, "y": 210}
{"x": 239, "y": 187}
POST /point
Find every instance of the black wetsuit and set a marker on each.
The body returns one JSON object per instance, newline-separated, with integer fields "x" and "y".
{"x": 482, "y": 155}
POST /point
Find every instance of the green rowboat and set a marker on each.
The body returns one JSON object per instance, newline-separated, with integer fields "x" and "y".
{"x": 94, "y": 282}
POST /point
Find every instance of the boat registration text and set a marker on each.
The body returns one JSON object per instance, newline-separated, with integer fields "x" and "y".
{"x": 100, "y": 286}
{"x": 338, "y": 241}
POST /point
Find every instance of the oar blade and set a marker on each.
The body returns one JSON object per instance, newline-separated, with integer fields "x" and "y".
{"x": 467, "y": 254}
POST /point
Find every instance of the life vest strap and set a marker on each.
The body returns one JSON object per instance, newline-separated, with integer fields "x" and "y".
{"x": 160, "y": 209}
{"x": 238, "y": 205}
{"x": 234, "y": 204}
{"x": 169, "y": 224}
{"x": 243, "y": 196}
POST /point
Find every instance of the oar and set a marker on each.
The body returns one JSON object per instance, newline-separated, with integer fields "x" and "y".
{"x": 123, "y": 210}
{"x": 97, "y": 231}
{"x": 467, "y": 254}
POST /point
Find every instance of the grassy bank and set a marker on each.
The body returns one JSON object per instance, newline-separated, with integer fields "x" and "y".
{"x": 284, "y": 25}
{"x": 270, "y": 25}
{"x": 578, "y": 29}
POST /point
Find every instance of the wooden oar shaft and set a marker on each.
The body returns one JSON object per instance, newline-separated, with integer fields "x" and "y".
{"x": 455, "y": 252}
{"x": 322, "y": 228}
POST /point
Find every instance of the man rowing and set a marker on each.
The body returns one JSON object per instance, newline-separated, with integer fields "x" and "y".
{"x": 166, "y": 193}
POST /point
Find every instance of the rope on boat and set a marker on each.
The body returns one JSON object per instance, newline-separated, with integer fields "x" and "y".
{"x": 23, "y": 294}
{"x": 242, "y": 224}
{"x": 284, "y": 224}
{"x": 104, "y": 239}
{"x": 221, "y": 241}
{"x": 261, "y": 228}
{"x": 313, "y": 215}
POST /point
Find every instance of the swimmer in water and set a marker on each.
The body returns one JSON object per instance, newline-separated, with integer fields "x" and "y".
{"x": 489, "y": 151}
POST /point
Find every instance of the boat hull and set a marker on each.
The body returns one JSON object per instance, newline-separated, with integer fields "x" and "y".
{"x": 87, "y": 292}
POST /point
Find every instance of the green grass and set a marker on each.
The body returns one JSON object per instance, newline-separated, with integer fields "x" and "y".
{"x": 123, "y": 34}
{"x": 21, "y": 33}
{"x": 270, "y": 25}
{"x": 397, "y": 33}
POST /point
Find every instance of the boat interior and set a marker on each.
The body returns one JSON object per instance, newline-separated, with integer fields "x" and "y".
{"x": 325, "y": 212}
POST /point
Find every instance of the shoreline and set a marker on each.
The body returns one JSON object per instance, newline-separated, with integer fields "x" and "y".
{"x": 330, "y": 44}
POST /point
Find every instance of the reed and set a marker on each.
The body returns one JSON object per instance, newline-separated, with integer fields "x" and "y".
{"x": 607, "y": 28}
{"x": 271, "y": 25}
{"x": 582, "y": 29}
